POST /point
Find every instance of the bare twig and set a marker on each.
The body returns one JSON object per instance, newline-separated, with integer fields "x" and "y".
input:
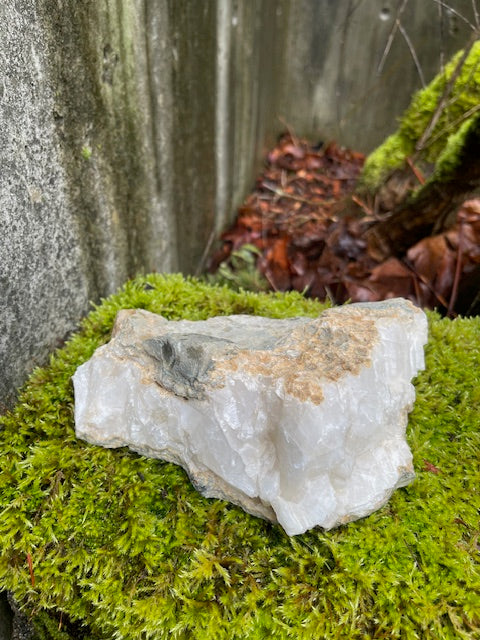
{"x": 458, "y": 270}
{"x": 413, "y": 53}
{"x": 418, "y": 174}
{"x": 418, "y": 291}
{"x": 391, "y": 36}
{"x": 290, "y": 130}
{"x": 341, "y": 46}
{"x": 362, "y": 205}
{"x": 444, "y": 97}
{"x": 282, "y": 194}
{"x": 442, "y": 38}
{"x": 203, "y": 259}
{"x": 270, "y": 282}
{"x": 470, "y": 83}
{"x": 458, "y": 14}
{"x": 30, "y": 568}
{"x": 475, "y": 14}
{"x": 452, "y": 125}
{"x": 330, "y": 295}
{"x": 424, "y": 280}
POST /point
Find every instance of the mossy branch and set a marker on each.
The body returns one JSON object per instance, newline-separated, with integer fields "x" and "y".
{"x": 442, "y": 103}
{"x": 438, "y": 137}
{"x": 429, "y": 209}
{"x": 451, "y": 98}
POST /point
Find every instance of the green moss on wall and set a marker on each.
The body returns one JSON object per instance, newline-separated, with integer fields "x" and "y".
{"x": 462, "y": 104}
{"x": 125, "y": 545}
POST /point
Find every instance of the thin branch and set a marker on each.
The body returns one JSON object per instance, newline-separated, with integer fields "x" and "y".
{"x": 475, "y": 302}
{"x": 459, "y": 15}
{"x": 290, "y": 130}
{"x": 444, "y": 97}
{"x": 282, "y": 194}
{"x": 424, "y": 280}
{"x": 418, "y": 291}
{"x": 391, "y": 36}
{"x": 270, "y": 282}
{"x": 453, "y": 125}
{"x": 416, "y": 172}
{"x": 341, "y": 66}
{"x": 470, "y": 83}
{"x": 458, "y": 271}
{"x": 413, "y": 52}
{"x": 362, "y": 205}
{"x": 330, "y": 295}
{"x": 442, "y": 35}
{"x": 206, "y": 251}
{"x": 475, "y": 13}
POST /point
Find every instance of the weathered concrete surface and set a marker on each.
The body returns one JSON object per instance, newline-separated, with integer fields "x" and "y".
{"x": 44, "y": 283}
{"x": 130, "y": 130}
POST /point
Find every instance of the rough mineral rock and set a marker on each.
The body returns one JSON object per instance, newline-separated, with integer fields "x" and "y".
{"x": 300, "y": 421}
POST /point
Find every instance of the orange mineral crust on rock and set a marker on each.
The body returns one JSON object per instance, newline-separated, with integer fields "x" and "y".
{"x": 302, "y": 363}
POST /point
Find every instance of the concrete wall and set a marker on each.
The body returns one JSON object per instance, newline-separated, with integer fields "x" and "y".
{"x": 131, "y": 129}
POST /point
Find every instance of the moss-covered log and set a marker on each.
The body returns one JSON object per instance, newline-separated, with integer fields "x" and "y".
{"x": 430, "y": 209}
{"x": 438, "y": 138}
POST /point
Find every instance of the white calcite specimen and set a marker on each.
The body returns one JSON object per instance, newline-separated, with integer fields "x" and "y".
{"x": 300, "y": 421}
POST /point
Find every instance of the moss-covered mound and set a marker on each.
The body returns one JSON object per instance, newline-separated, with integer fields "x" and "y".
{"x": 124, "y": 545}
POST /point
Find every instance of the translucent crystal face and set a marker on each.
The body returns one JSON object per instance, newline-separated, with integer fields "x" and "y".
{"x": 300, "y": 421}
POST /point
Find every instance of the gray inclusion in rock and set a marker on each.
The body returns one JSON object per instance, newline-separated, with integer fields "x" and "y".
{"x": 183, "y": 363}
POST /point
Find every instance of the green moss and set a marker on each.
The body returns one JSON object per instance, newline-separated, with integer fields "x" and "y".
{"x": 462, "y": 103}
{"x": 126, "y": 546}
{"x": 448, "y": 158}
{"x": 389, "y": 156}
{"x": 86, "y": 152}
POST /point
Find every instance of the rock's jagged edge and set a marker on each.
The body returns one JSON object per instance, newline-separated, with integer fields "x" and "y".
{"x": 314, "y": 432}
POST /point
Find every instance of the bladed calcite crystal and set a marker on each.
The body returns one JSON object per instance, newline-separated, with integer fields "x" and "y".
{"x": 300, "y": 421}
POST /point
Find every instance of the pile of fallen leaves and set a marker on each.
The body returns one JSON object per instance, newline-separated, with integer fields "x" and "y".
{"x": 308, "y": 237}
